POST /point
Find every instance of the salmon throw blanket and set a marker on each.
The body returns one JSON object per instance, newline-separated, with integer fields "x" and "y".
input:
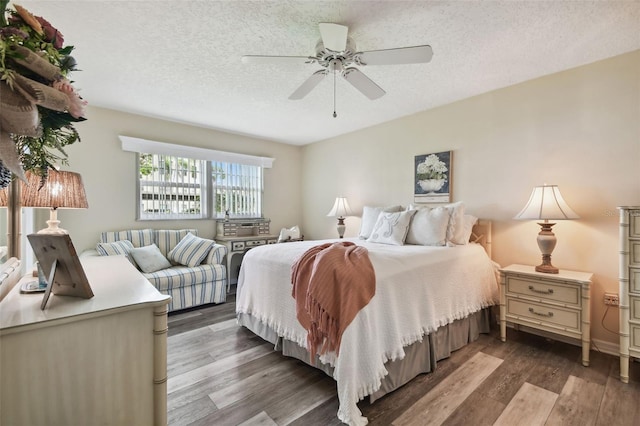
{"x": 332, "y": 282}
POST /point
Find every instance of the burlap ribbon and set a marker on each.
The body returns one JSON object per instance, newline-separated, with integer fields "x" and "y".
{"x": 18, "y": 105}
{"x": 35, "y": 63}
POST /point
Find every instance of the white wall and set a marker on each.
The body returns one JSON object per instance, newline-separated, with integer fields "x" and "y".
{"x": 579, "y": 129}
{"x": 109, "y": 174}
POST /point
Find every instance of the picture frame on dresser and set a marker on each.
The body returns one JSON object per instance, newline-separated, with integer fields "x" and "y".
{"x": 61, "y": 266}
{"x": 629, "y": 288}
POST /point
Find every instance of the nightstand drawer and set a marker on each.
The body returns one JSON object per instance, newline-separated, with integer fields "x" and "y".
{"x": 634, "y": 308}
{"x": 564, "y": 318}
{"x": 544, "y": 290}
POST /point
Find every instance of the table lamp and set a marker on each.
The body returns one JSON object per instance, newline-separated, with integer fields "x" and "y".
{"x": 340, "y": 209}
{"x": 61, "y": 189}
{"x": 546, "y": 203}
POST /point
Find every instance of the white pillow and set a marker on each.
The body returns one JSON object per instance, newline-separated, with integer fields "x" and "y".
{"x": 428, "y": 227}
{"x": 292, "y": 233}
{"x": 122, "y": 247}
{"x": 455, "y": 229}
{"x": 370, "y": 216}
{"x": 150, "y": 259}
{"x": 469, "y": 221}
{"x": 391, "y": 228}
{"x": 191, "y": 250}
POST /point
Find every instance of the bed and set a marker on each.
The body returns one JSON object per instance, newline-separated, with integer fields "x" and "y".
{"x": 428, "y": 302}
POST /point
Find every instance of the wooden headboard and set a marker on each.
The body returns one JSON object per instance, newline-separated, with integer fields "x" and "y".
{"x": 481, "y": 234}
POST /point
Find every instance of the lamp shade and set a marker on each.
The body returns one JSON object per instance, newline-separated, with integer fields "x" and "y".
{"x": 340, "y": 208}
{"x": 546, "y": 203}
{"x": 61, "y": 189}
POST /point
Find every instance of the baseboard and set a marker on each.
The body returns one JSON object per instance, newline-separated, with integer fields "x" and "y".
{"x": 596, "y": 344}
{"x": 605, "y": 347}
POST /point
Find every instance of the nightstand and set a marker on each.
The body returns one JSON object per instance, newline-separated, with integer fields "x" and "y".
{"x": 237, "y": 247}
{"x": 555, "y": 303}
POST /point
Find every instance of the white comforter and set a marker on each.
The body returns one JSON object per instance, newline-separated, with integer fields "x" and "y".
{"x": 418, "y": 289}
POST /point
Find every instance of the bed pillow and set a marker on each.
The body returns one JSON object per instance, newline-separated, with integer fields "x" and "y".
{"x": 150, "y": 259}
{"x": 391, "y": 228}
{"x": 122, "y": 247}
{"x": 455, "y": 228}
{"x": 191, "y": 250}
{"x": 370, "y": 216}
{"x": 468, "y": 221}
{"x": 428, "y": 227}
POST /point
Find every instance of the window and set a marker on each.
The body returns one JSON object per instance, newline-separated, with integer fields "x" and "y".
{"x": 172, "y": 187}
{"x": 237, "y": 189}
{"x": 181, "y": 182}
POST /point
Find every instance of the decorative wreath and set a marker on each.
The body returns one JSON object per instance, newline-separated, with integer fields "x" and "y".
{"x": 38, "y": 103}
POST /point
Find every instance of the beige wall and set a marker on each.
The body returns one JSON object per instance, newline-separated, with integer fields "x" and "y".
{"x": 109, "y": 174}
{"x": 579, "y": 129}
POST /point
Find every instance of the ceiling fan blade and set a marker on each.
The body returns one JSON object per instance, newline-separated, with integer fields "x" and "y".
{"x": 308, "y": 85}
{"x": 363, "y": 83}
{"x": 334, "y": 36}
{"x": 256, "y": 59}
{"x": 402, "y": 55}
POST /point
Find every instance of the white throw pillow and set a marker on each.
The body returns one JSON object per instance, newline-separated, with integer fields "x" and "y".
{"x": 469, "y": 221}
{"x": 455, "y": 229}
{"x": 150, "y": 259}
{"x": 122, "y": 247}
{"x": 191, "y": 250}
{"x": 292, "y": 233}
{"x": 391, "y": 228}
{"x": 370, "y": 216}
{"x": 428, "y": 227}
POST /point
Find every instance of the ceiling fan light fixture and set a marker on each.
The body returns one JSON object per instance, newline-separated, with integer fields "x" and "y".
{"x": 336, "y": 53}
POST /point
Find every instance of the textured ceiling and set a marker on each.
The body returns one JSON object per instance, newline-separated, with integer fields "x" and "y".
{"x": 180, "y": 60}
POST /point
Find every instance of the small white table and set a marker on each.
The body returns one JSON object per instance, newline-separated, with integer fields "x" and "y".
{"x": 555, "y": 303}
{"x": 86, "y": 361}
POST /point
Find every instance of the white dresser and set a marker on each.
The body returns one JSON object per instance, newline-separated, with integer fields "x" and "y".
{"x": 554, "y": 303}
{"x": 629, "y": 288}
{"x": 86, "y": 361}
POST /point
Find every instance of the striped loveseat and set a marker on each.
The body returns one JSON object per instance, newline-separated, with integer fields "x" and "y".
{"x": 187, "y": 285}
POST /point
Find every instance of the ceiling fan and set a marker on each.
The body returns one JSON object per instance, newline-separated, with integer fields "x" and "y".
{"x": 336, "y": 53}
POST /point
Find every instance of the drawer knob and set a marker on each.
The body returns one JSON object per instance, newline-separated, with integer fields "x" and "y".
{"x": 548, "y": 314}
{"x": 535, "y": 290}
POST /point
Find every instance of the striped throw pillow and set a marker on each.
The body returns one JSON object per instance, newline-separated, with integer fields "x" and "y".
{"x": 191, "y": 250}
{"x": 115, "y": 248}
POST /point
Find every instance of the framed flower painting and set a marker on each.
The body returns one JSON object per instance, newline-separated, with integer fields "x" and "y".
{"x": 432, "y": 177}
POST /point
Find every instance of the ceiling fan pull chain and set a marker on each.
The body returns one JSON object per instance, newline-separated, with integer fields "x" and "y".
{"x": 334, "y": 95}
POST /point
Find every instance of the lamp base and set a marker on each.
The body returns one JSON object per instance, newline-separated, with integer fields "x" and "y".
{"x": 53, "y": 223}
{"x": 546, "y": 266}
{"x": 341, "y": 227}
{"x": 546, "y": 243}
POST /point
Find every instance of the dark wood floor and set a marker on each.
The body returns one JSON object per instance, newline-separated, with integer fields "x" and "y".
{"x": 222, "y": 374}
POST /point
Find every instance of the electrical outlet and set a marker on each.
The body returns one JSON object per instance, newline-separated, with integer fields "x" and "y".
{"x": 611, "y": 299}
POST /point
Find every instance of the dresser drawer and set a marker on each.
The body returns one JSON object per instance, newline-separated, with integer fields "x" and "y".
{"x": 634, "y": 223}
{"x": 634, "y": 308}
{"x": 634, "y": 253}
{"x": 634, "y": 280}
{"x": 256, "y": 243}
{"x": 634, "y": 336}
{"x": 547, "y": 290}
{"x": 564, "y": 318}
{"x": 237, "y": 245}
